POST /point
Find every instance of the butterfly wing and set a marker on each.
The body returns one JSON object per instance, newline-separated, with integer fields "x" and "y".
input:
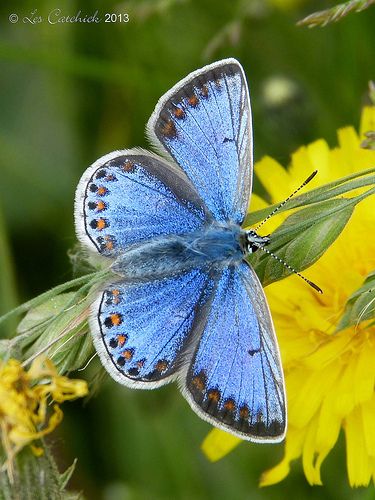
{"x": 129, "y": 196}
{"x": 204, "y": 123}
{"x": 141, "y": 328}
{"x": 235, "y": 379}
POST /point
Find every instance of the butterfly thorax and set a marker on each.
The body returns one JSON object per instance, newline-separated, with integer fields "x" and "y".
{"x": 217, "y": 245}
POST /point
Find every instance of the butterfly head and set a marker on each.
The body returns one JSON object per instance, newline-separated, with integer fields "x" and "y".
{"x": 250, "y": 241}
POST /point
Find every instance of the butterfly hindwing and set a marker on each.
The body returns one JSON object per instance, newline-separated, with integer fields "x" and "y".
{"x": 204, "y": 123}
{"x": 141, "y": 328}
{"x": 235, "y": 379}
{"x": 130, "y": 196}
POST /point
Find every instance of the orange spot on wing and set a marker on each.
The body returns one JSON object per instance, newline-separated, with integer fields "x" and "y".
{"x": 161, "y": 365}
{"x": 179, "y": 113}
{"x": 230, "y": 405}
{"x": 193, "y": 101}
{"x": 127, "y": 354}
{"x": 204, "y": 91}
{"x": 115, "y": 293}
{"x": 169, "y": 129}
{"x": 101, "y": 206}
{"x": 121, "y": 339}
{"x": 101, "y": 224}
{"x": 102, "y": 191}
{"x": 214, "y": 395}
{"x": 128, "y": 166}
{"x": 198, "y": 383}
{"x": 244, "y": 412}
{"x": 115, "y": 319}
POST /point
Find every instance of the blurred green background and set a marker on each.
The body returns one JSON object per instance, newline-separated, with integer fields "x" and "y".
{"x": 70, "y": 93}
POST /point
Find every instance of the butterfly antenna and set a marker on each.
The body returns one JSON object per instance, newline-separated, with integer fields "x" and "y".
{"x": 310, "y": 177}
{"x": 312, "y": 284}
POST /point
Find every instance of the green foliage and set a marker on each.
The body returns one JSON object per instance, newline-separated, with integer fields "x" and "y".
{"x": 7, "y": 280}
{"x": 37, "y": 477}
{"x": 61, "y": 324}
{"x": 306, "y": 234}
{"x": 361, "y": 304}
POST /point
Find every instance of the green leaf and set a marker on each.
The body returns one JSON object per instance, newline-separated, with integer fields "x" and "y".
{"x": 360, "y": 305}
{"x": 322, "y": 193}
{"x": 87, "y": 281}
{"x": 61, "y": 323}
{"x": 43, "y": 312}
{"x": 65, "y": 476}
{"x": 37, "y": 477}
{"x": 75, "y": 353}
{"x": 8, "y": 289}
{"x": 9, "y": 349}
{"x": 304, "y": 237}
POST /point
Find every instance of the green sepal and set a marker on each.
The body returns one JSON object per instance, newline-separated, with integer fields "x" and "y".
{"x": 50, "y": 320}
{"x": 361, "y": 305}
{"x": 326, "y": 192}
{"x": 304, "y": 237}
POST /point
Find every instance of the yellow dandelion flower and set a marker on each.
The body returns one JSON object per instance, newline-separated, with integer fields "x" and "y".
{"x": 24, "y": 399}
{"x": 329, "y": 374}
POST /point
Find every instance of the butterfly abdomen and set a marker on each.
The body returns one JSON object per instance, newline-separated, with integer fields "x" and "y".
{"x": 167, "y": 255}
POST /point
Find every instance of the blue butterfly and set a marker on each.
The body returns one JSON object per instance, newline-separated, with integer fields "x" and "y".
{"x": 186, "y": 305}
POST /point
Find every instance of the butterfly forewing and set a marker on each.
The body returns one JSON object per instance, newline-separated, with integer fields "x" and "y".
{"x": 204, "y": 123}
{"x": 235, "y": 379}
{"x": 131, "y": 196}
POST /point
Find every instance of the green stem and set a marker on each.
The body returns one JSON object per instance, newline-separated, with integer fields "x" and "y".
{"x": 91, "y": 278}
{"x": 316, "y": 195}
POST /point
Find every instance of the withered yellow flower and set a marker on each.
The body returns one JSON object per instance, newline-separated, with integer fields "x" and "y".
{"x": 25, "y": 397}
{"x": 329, "y": 374}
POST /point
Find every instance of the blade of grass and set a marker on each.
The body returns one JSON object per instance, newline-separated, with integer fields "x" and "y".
{"x": 8, "y": 289}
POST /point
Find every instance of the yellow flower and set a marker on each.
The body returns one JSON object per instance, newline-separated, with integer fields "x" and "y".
{"x": 329, "y": 375}
{"x": 24, "y": 398}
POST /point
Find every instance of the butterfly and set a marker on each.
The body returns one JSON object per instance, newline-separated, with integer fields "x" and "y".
{"x": 184, "y": 304}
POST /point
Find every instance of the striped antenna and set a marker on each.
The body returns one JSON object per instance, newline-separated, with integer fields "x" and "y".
{"x": 311, "y": 283}
{"x": 310, "y": 177}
